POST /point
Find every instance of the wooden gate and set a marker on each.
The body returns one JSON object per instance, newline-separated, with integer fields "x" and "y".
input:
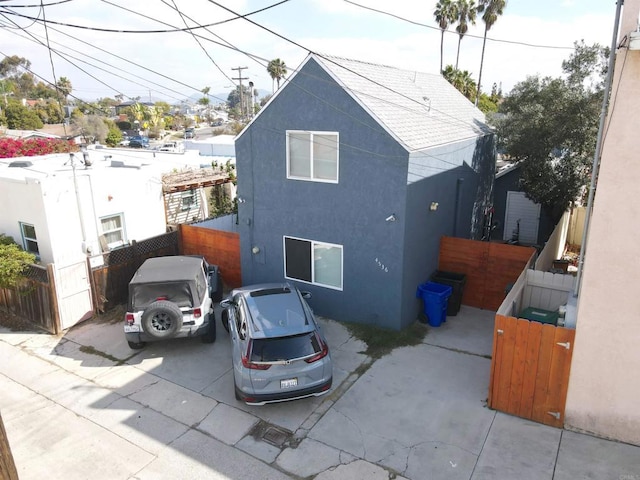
{"x": 73, "y": 292}
{"x": 530, "y": 369}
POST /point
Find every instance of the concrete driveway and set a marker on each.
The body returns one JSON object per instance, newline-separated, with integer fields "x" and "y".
{"x": 86, "y": 406}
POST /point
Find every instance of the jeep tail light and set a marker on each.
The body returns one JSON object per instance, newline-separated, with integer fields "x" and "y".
{"x": 249, "y": 364}
{"x": 129, "y": 318}
{"x": 197, "y": 312}
{"x": 324, "y": 351}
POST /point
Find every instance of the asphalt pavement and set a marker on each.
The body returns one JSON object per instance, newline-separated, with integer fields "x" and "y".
{"x": 84, "y": 406}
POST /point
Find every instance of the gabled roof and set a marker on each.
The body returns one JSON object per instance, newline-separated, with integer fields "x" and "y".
{"x": 420, "y": 110}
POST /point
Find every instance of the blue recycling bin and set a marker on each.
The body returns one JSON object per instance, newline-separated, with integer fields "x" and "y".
{"x": 435, "y": 297}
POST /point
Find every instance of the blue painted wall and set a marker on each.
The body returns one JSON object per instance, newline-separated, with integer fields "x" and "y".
{"x": 383, "y": 261}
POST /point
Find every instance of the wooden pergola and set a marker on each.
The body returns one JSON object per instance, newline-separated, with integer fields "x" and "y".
{"x": 193, "y": 179}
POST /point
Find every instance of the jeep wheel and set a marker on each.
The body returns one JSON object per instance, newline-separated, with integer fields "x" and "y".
{"x": 162, "y": 319}
{"x": 210, "y": 336}
{"x": 135, "y": 345}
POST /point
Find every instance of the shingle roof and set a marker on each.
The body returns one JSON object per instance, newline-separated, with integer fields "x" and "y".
{"x": 420, "y": 109}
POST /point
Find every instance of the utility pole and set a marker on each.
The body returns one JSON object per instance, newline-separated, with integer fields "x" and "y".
{"x": 240, "y": 78}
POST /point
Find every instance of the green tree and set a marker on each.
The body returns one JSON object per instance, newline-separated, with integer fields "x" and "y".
{"x": 277, "y": 70}
{"x": 64, "y": 87}
{"x": 490, "y": 10}
{"x": 114, "y": 136}
{"x": 20, "y": 117}
{"x": 445, "y": 14}
{"x": 93, "y": 127}
{"x": 466, "y": 13}
{"x": 13, "y": 262}
{"x": 49, "y": 111}
{"x": 462, "y": 80}
{"x": 550, "y": 126}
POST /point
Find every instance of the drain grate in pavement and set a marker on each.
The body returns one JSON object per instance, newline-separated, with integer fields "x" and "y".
{"x": 270, "y": 434}
{"x": 275, "y": 436}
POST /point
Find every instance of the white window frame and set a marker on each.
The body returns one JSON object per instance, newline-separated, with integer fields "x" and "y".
{"x": 191, "y": 195}
{"x": 123, "y": 241}
{"x": 311, "y": 177}
{"x": 26, "y": 239}
{"x": 313, "y": 245}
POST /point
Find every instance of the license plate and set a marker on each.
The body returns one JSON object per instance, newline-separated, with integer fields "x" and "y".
{"x": 131, "y": 328}
{"x": 291, "y": 382}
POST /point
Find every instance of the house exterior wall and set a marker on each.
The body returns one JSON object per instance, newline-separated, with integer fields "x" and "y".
{"x": 443, "y": 175}
{"x": 23, "y": 202}
{"x": 382, "y": 259}
{"x": 351, "y": 213}
{"x": 603, "y": 386}
{"x": 50, "y": 203}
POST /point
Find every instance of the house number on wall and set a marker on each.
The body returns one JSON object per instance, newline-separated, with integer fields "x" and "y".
{"x": 381, "y": 265}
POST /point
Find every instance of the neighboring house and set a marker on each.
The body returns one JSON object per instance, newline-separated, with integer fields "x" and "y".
{"x": 516, "y": 215}
{"x": 63, "y": 214}
{"x": 348, "y": 178}
{"x": 603, "y": 385}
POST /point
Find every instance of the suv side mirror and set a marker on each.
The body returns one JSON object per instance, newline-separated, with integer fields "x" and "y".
{"x": 226, "y": 303}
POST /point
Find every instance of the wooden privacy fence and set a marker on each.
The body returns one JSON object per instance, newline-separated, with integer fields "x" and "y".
{"x": 218, "y": 247}
{"x": 530, "y": 368}
{"x": 110, "y": 280}
{"x": 490, "y": 268}
{"x": 34, "y": 299}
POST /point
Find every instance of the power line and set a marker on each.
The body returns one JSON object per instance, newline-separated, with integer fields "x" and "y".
{"x": 112, "y": 30}
{"x": 182, "y": 16}
{"x": 447, "y": 31}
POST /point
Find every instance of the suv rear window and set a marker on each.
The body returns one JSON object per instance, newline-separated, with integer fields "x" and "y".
{"x": 142, "y": 295}
{"x": 285, "y": 348}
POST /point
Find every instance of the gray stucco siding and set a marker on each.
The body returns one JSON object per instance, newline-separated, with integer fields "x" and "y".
{"x": 383, "y": 261}
{"x": 352, "y": 213}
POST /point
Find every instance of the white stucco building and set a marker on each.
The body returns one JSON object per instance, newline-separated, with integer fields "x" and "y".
{"x": 64, "y": 210}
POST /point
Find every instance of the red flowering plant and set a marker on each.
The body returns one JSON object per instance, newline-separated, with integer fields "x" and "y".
{"x": 30, "y": 147}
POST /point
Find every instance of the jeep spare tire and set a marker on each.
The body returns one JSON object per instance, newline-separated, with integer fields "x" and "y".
{"x": 162, "y": 319}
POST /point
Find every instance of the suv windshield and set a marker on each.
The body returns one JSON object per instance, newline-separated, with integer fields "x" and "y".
{"x": 285, "y": 348}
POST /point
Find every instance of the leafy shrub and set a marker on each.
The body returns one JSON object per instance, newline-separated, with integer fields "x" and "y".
{"x": 30, "y": 147}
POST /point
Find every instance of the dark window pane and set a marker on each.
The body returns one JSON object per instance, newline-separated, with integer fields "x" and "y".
{"x": 298, "y": 259}
{"x": 284, "y": 348}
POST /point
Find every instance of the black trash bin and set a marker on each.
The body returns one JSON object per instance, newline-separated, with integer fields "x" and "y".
{"x": 456, "y": 281}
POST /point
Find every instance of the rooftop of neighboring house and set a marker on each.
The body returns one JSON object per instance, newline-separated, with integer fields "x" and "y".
{"x": 102, "y": 163}
{"x": 420, "y": 110}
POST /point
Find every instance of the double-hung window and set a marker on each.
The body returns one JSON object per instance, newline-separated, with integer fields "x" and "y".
{"x": 113, "y": 231}
{"x": 29, "y": 239}
{"x": 313, "y": 262}
{"x": 312, "y": 156}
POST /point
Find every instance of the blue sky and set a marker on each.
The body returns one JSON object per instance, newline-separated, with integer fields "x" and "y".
{"x": 180, "y": 68}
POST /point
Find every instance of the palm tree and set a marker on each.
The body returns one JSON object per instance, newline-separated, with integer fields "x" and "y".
{"x": 491, "y": 10}
{"x": 461, "y": 80}
{"x": 277, "y": 69}
{"x": 466, "y": 10}
{"x": 445, "y": 14}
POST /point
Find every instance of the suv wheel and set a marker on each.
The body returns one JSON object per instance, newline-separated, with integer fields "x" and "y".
{"x": 162, "y": 319}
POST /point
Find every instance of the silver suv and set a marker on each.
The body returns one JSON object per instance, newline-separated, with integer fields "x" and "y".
{"x": 279, "y": 352}
{"x": 171, "y": 297}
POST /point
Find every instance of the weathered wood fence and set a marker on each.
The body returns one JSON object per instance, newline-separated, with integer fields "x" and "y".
{"x": 34, "y": 299}
{"x": 491, "y": 268}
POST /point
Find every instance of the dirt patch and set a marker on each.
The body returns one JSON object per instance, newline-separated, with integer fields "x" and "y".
{"x": 111, "y": 316}
{"x": 16, "y": 323}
